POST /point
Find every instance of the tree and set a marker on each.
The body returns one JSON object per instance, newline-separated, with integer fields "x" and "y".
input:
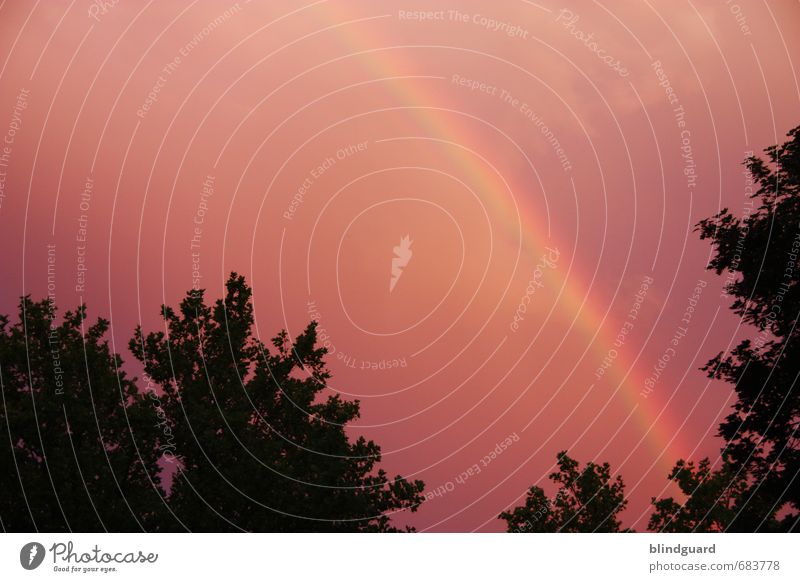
{"x": 258, "y": 447}
{"x": 79, "y": 454}
{"x": 762, "y": 451}
{"x": 586, "y": 501}
{"x": 711, "y": 499}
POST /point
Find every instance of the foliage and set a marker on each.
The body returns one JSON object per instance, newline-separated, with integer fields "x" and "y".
{"x": 757, "y": 488}
{"x": 586, "y": 501}
{"x": 73, "y": 459}
{"x": 258, "y": 446}
{"x": 711, "y": 504}
{"x": 239, "y": 433}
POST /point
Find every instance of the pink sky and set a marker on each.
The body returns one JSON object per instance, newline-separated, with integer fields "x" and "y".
{"x": 326, "y": 132}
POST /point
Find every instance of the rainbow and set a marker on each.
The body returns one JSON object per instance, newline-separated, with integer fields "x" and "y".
{"x": 661, "y": 432}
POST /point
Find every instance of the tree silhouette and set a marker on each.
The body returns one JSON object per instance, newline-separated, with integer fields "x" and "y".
{"x": 757, "y": 488}
{"x": 258, "y": 447}
{"x": 586, "y": 501}
{"x": 712, "y": 497}
{"x": 72, "y": 460}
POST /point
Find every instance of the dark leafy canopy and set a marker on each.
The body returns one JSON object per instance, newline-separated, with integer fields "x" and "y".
{"x": 70, "y": 461}
{"x": 258, "y": 448}
{"x": 711, "y": 502}
{"x": 254, "y": 445}
{"x": 757, "y": 488}
{"x": 587, "y": 500}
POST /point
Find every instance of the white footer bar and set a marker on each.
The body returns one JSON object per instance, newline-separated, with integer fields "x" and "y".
{"x": 389, "y": 557}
